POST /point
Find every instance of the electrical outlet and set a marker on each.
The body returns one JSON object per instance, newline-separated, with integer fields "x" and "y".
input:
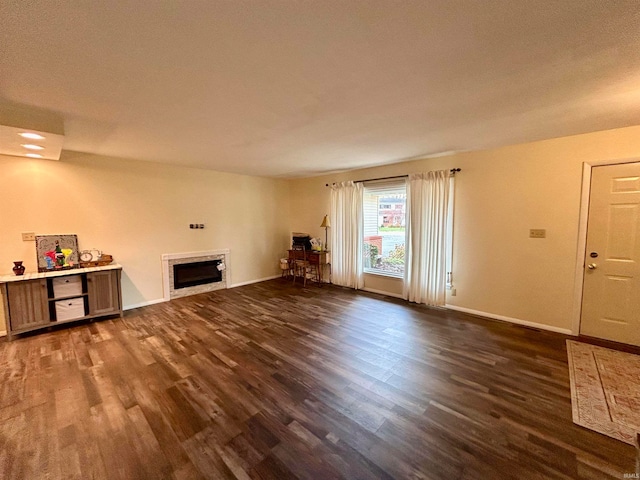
{"x": 28, "y": 237}
{"x": 537, "y": 233}
{"x": 453, "y": 292}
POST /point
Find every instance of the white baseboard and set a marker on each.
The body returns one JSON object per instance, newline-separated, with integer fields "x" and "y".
{"x": 143, "y": 304}
{"x": 161, "y": 300}
{"x": 380, "y": 292}
{"x": 517, "y": 321}
{"x": 254, "y": 281}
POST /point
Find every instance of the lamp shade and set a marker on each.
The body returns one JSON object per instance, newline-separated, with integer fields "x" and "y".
{"x": 325, "y": 222}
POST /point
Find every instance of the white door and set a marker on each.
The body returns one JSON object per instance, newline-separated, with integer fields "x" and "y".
{"x": 611, "y": 292}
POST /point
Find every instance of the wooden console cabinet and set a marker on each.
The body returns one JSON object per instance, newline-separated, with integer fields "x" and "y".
{"x": 41, "y": 300}
{"x": 29, "y": 304}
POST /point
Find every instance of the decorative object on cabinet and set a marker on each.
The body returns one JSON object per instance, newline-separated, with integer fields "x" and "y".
{"x": 56, "y": 252}
{"x": 41, "y": 300}
{"x": 86, "y": 256}
{"x": 94, "y": 258}
{"x": 301, "y": 239}
{"x": 90, "y": 255}
{"x": 316, "y": 244}
{"x": 18, "y": 268}
{"x": 326, "y": 224}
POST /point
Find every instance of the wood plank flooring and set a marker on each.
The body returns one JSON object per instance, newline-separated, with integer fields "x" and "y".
{"x": 277, "y": 381}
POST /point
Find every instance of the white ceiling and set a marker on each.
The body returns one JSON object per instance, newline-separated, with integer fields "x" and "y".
{"x": 294, "y": 88}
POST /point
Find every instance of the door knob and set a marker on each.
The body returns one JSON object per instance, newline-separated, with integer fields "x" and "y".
{"x": 592, "y": 266}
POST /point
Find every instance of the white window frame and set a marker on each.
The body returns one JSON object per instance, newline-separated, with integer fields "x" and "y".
{"x": 380, "y": 188}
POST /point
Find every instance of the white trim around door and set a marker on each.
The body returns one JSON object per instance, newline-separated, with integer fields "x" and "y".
{"x": 582, "y": 236}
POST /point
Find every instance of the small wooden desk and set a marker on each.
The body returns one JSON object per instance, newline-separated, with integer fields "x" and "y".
{"x": 315, "y": 257}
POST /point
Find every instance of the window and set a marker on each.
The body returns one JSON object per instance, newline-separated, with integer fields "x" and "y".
{"x": 384, "y": 228}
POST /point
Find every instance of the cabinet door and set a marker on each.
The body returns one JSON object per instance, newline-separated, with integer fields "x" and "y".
{"x": 104, "y": 297}
{"x": 28, "y": 305}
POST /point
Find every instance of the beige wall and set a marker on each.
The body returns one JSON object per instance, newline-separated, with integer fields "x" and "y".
{"x": 500, "y": 195}
{"x": 137, "y": 211}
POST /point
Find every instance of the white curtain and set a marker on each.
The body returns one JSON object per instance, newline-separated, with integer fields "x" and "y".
{"x": 346, "y": 234}
{"x": 428, "y": 233}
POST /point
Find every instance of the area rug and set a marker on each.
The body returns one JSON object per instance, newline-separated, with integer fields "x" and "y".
{"x": 605, "y": 390}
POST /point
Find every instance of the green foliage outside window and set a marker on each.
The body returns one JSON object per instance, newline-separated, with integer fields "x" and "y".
{"x": 370, "y": 253}
{"x": 396, "y": 256}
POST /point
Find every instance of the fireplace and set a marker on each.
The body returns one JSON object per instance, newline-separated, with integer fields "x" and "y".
{"x": 194, "y": 272}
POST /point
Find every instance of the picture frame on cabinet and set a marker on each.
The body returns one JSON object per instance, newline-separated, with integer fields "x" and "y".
{"x": 56, "y": 252}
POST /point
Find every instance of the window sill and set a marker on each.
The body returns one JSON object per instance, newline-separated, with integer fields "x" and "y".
{"x": 381, "y": 273}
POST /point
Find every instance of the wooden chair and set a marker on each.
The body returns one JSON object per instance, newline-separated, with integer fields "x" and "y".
{"x": 302, "y": 266}
{"x": 300, "y": 263}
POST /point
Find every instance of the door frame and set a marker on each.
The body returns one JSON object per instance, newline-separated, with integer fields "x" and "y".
{"x": 582, "y": 235}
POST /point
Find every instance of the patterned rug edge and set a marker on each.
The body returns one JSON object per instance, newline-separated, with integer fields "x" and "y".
{"x": 610, "y": 429}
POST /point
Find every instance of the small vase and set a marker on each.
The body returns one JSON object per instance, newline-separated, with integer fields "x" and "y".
{"x": 18, "y": 268}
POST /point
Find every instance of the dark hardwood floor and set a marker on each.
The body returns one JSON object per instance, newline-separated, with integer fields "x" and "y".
{"x": 277, "y": 381}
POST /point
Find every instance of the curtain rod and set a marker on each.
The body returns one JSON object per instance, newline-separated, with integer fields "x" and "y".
{"x": 451, "y": 172}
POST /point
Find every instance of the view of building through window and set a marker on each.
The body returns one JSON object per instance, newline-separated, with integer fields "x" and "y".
{"x": 384, "y": 230}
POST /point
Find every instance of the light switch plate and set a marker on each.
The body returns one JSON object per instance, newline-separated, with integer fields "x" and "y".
{"x": 537, "y": 233}
{"x": 28, "y": 237}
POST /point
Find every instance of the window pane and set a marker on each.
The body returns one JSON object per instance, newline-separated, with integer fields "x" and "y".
{"x": 384, "y": 231}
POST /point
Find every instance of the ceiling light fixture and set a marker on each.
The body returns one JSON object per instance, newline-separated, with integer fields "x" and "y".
{"x": 31, "y": 136}
{"x": 47, "y": 144}
{"x": 33, "y": 155}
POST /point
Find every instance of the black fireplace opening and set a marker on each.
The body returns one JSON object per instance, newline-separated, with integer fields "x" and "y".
{"x": 196, "y": 273}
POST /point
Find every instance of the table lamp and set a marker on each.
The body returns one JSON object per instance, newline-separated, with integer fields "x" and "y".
{"x": 325, "y": 224}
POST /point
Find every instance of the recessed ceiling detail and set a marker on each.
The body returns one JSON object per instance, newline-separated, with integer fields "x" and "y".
{"x": 43, "y": 145}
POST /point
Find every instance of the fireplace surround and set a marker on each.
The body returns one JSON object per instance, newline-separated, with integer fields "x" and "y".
{"x": 195, "y": 272}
